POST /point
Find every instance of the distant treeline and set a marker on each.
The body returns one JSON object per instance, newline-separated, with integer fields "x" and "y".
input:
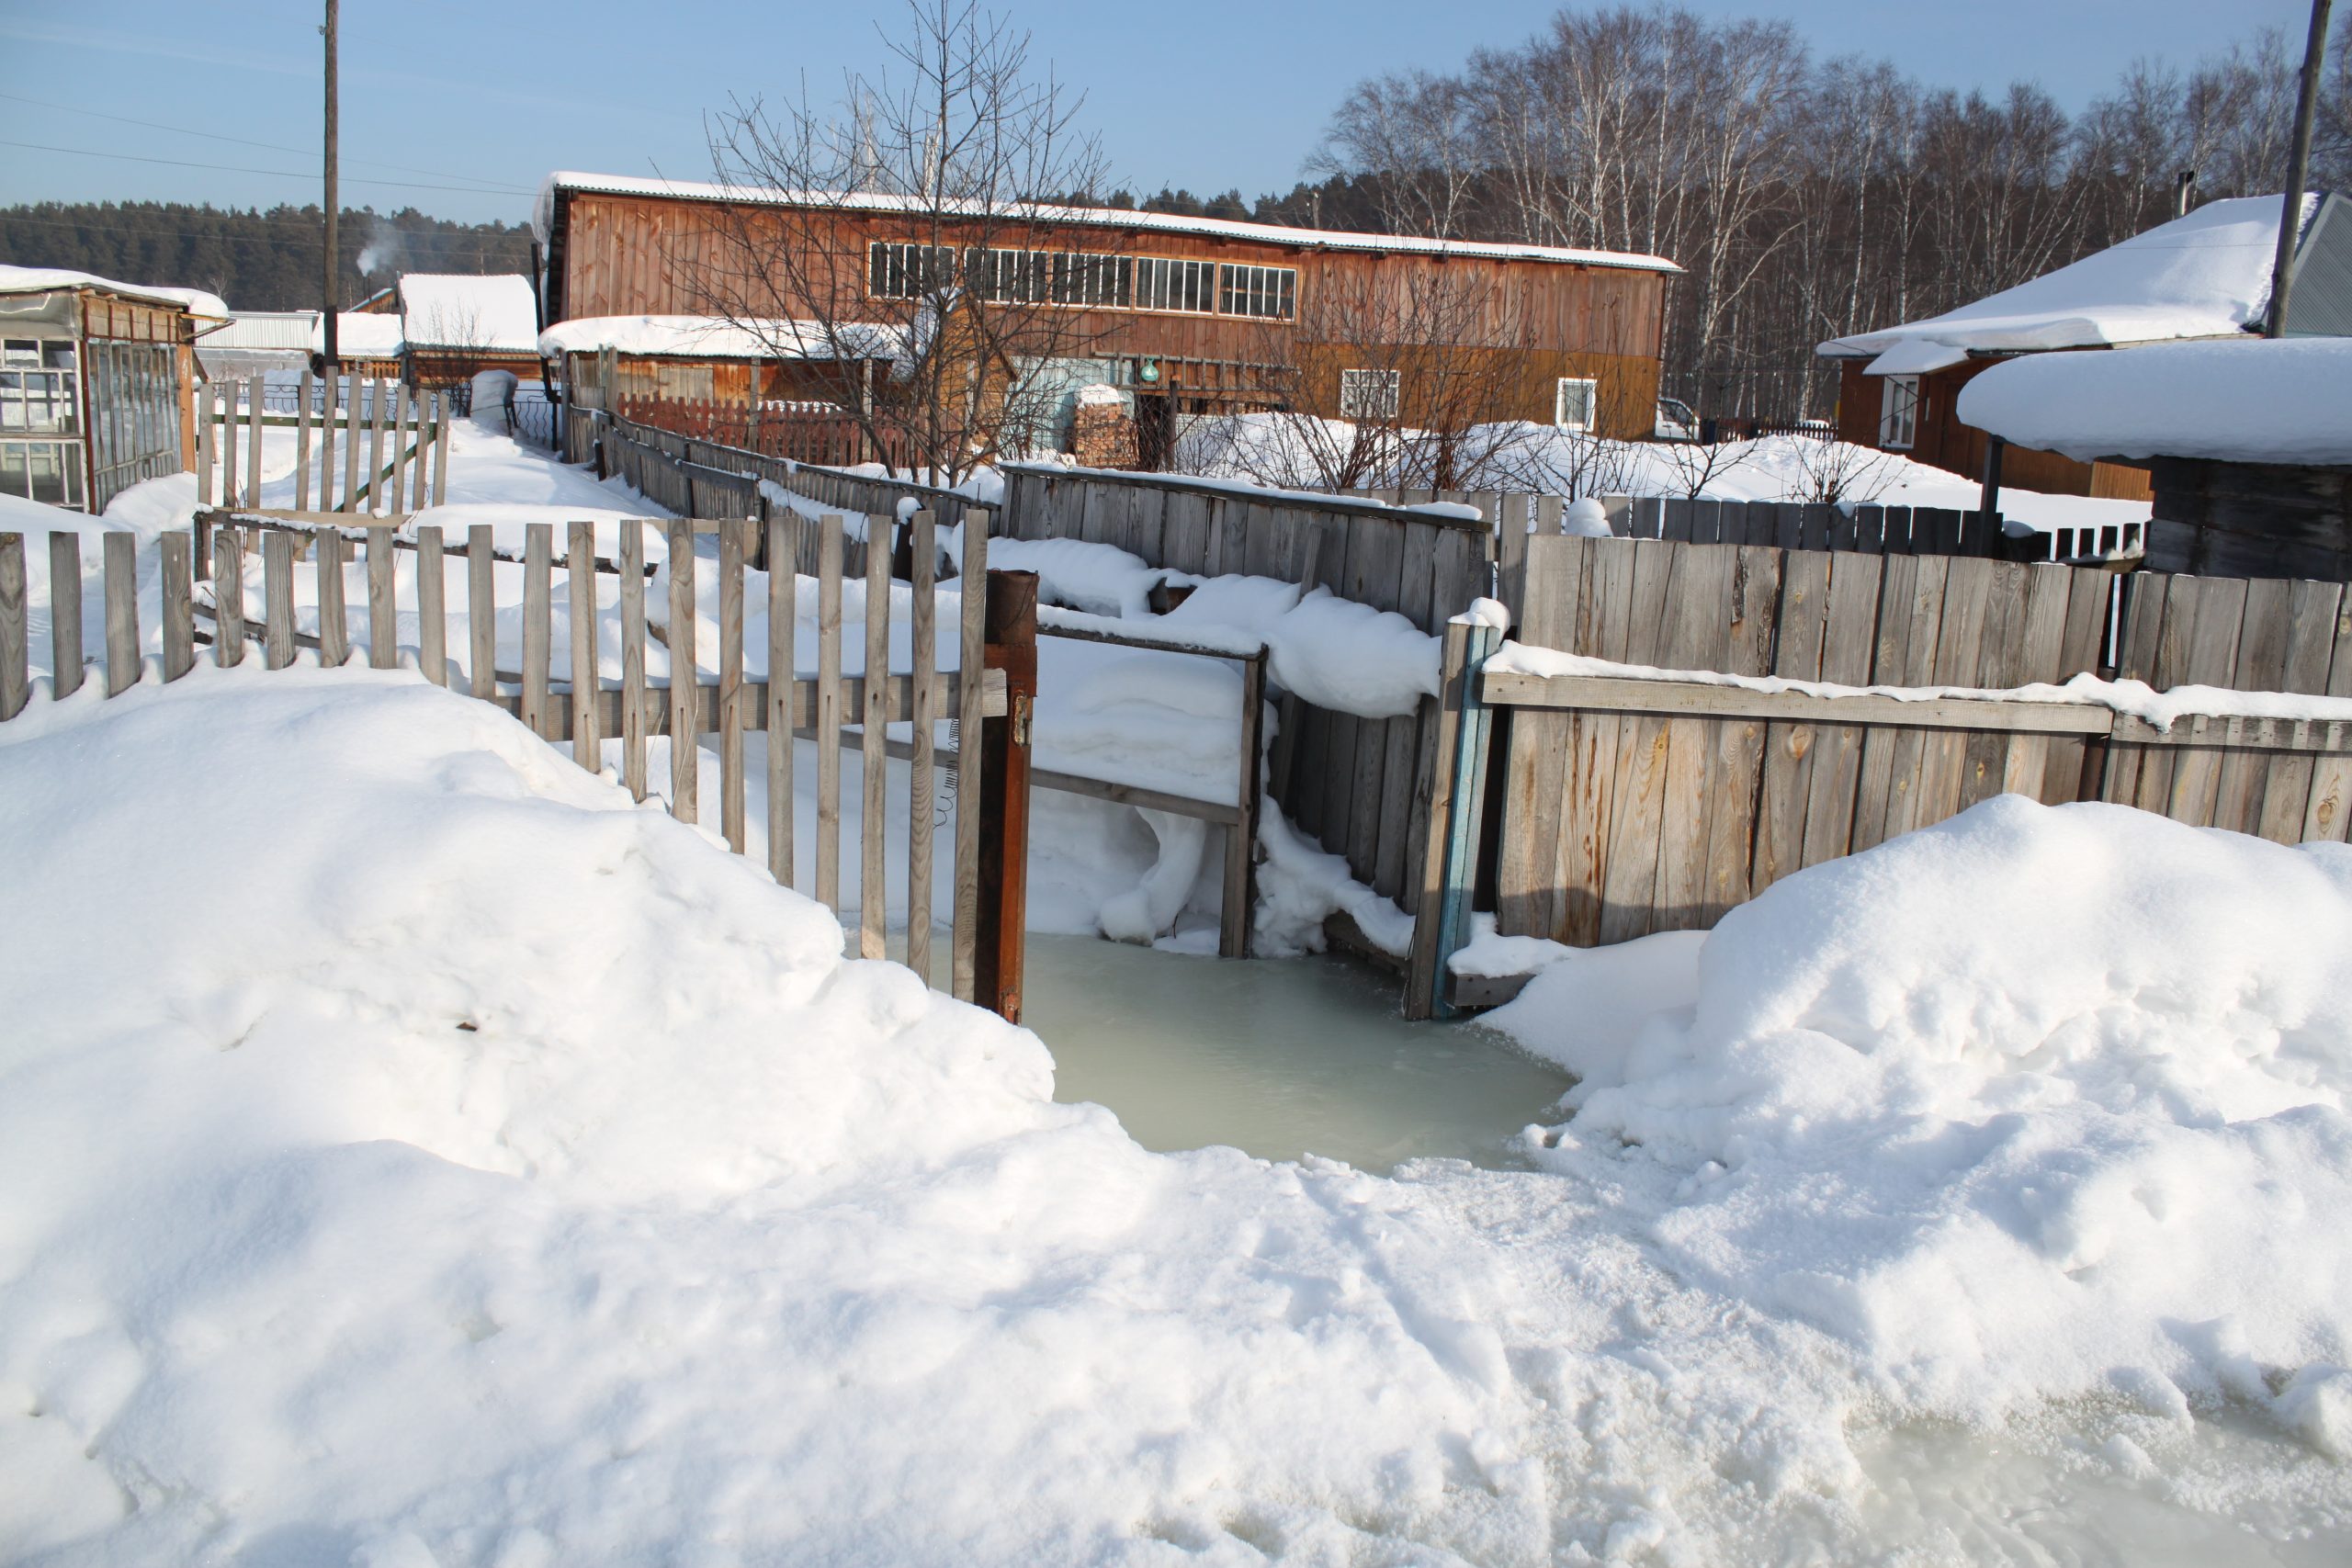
{"x": 256, "y": 260}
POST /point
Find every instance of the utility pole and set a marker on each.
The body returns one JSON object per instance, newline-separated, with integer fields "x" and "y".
{"x": 326, "y": 316}
{"x": 2291, "y": 216}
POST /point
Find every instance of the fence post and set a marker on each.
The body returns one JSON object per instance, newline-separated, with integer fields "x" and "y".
{"x": 1458, "y": 810}
{"x": 1241, "y": 847}
{"x": 971, "y": 637}
{"x": 1003, "y": 870}
{"x": 16, "y": 620}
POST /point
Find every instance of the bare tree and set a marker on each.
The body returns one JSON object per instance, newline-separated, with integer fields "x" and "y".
{"x": 978, "y": 163}
{"x": 1423, "y": 362}
{"x": 1699, "y": 464}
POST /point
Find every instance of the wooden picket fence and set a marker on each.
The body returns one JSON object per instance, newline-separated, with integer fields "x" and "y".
{"x": 562, "y": 698}
{"x": 1604, "y": 806}
{"x": 403, "y": 431}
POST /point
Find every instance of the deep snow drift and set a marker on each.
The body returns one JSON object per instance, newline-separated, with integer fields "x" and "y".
{"x": 411, "y": 1152}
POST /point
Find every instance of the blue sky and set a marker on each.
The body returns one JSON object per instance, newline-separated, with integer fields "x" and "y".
{"x": 459, "y": 107}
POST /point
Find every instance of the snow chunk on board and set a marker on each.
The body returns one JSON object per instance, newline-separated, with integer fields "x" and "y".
{"x": 2038, "y": 1099}
{"x": 2283, "y": 400}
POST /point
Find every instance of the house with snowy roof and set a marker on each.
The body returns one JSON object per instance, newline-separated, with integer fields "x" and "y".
{"x": 97, "y": 382}
{"x": 2248, "y": 442}
{"x": 2205, "y": 276}
{"x": 1180, "y": 314}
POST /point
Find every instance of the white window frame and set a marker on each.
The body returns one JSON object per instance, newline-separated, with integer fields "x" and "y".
{"x": 1592, "y": 397}
{"x": 1175, "y": 282}
{"x": 1370, "y": 394}
{"x": 1898, "y": 414}
{"x": 1267, "y": 293}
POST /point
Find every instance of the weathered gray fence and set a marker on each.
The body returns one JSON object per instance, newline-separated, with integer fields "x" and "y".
{"x": 389, "y": 434}
{"x": 1631, "y": 802}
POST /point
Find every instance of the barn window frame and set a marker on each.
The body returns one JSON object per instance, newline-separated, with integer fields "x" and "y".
{"x": 1588, "y": 392}
{"x": 1263, "y": 293}
{"x": 1183, "y": 286}
{"x": 1370, "y": 394}
{"x": 908, "y": 269}
{"x": 1898, "y": 414}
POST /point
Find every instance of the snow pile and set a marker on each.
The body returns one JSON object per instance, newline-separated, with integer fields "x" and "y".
{"x": 520, "y": 1179}
{"x": 2258, "y": 400}
{"x": 2035, "y": 1102}
{"x": 1330, "y": 651}
{"x": 2205, "y": 275}
{"x": 1098, "y": 579}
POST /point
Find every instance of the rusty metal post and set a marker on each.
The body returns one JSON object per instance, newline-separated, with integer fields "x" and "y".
{"x": 1003, "y": 869}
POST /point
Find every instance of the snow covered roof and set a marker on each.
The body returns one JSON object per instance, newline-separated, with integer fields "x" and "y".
{"x": 543, "y": 221}
{"x": 42, "y": 279}
{"x": 2207, "y": 275}
{"x": 442, "y": 310}
{"x": 2251, "y": 400}
{"x": 295, "y": 331}
{"x": 712, "y": 337}
{"x": 362, "y": 335}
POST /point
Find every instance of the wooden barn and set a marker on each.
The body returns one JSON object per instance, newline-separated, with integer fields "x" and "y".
{"x": 1181, "y": 314}
{"x": 2248, "y": 444}
{"x": 2203, "y": 276}
{"x": 98, "y": 383}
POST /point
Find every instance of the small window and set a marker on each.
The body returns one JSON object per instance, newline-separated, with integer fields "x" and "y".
{"x": 1898, "y": 413}
{"x": 20, "y": 354}
{"x": 1369, "y": 394}
{"x": 1574, "y": 402}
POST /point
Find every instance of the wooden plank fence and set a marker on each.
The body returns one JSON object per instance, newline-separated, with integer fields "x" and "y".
{"x": 392, "y": 418}
{"x": 563, "y": 697}
{"x": 1631, "y": 802}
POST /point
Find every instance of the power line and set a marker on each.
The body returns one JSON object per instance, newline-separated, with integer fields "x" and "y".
{"x": 240, "y": 140}
{"x": 281, "y": 174}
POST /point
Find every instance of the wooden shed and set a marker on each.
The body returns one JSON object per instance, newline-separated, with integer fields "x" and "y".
{"x": 2248, "y": 444}
{"x": 1187, "y": 313}
{"x": 2206, "y": 275}
{"x": 98, "y": 383}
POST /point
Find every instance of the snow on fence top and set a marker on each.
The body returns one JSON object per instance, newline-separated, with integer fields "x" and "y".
{"x": 2259, "y": 400}
{"x": 543, "y": 221}
{"x": 2207, "y": 275}
{"x": 442, "y": 310}
{"x": 715, "y": 337}
{"x": 42, "y": 279}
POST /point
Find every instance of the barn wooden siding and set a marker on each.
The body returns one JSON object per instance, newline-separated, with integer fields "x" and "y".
{"x": 629, "y": 255}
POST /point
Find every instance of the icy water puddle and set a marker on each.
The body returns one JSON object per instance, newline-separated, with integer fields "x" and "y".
{"x": 1279, "y": 1058}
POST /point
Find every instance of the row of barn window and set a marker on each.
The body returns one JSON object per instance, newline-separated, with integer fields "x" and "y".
{"x": 904, "y": 270}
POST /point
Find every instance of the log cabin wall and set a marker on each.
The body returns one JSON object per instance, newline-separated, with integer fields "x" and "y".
{"x": 620, "y": 255}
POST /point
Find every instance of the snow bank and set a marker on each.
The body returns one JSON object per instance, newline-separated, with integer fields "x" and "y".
{"x": 2254, "y": 402}
{"x": 1332, "y": 652}
{"x": 518, "y": 1177}
{"x": 2035, "y": 1102}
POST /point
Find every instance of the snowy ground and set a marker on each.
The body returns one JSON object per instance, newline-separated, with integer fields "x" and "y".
{"x": 414, "y": 1152}
{"x": 516, "y": 1178}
